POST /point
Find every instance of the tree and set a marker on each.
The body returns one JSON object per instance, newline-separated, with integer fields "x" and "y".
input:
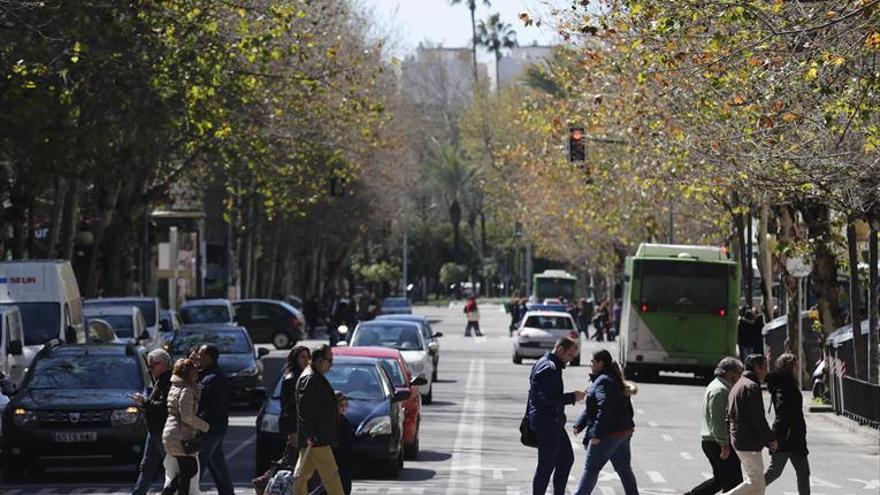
{"x": 451, "y": 173}
{"x": 472, "y": 6}
{"x": 495, "y": 35}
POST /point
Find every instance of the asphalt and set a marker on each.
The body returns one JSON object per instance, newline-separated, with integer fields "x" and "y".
{"x": 470, "y": 439}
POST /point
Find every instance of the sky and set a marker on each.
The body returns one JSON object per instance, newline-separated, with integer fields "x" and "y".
{"x": 408, "y": 22}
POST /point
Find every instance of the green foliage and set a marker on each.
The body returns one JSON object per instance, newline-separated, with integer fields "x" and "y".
{"x": 453, "y": 274}
{"x": 380, "y": 272}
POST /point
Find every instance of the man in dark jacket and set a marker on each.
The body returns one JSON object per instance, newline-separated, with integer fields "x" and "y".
{"x": 316, "y": 421}
{"x": 789, "y": 425}
{"x": 749, "y": 431}
{"x": 214, "y": 409}
{"x": 156, "y": 411}
{"x": 546, "y": 411}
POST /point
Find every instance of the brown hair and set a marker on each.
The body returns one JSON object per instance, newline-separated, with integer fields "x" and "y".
{"x": 292, "y": 356}
{"x": 183, "y": 367}
{"x": 787, "y": 362}
{"x": 566, "y": 343}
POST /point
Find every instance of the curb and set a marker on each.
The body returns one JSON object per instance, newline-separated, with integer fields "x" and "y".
{"x": 847, "y": 424}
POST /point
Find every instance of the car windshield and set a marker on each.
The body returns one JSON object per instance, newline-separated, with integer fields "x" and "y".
{"x": 122, "y": 325}
{"x": 148, "y": 308}
{"x": 41, "y": 321}
{"x": 85, "y": 372}
{"x": 392, "y": 366}
{"x": 395, "y": 303}
{"x": 402, "y": 338}
{"x": 227, "y": 341}
{"x": 549, "y": 322}
{"x": 205, "y": 314}
{"x": 356, "y": 381}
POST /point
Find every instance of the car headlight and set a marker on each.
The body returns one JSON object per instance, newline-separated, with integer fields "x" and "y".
{"x": 128, "y": 416}
{"x": 380, "y": 425}
{"x": 245, "y": 372}
{"x": 269, "y": 423}
{"x": 23, "y": 417}
{"x": 417, "y": 367}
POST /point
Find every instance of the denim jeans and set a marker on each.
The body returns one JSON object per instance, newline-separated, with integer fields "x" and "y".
{"x": 615, "y": 449}
{"x": 555, "y": 458}
{"x": 151, "y": 463}
{"x": 214, "y": 459}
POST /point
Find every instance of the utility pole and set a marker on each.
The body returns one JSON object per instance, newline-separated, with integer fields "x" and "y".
{"x": 405, "y": 261}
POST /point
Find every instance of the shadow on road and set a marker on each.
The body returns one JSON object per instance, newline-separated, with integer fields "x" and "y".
{"x": 441, "y": 403}
{"x": 432, "y": 456}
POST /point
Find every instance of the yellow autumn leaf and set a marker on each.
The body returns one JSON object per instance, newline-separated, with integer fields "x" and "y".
{"x": 813, "y": 72}
{"x": 790, "y": 117}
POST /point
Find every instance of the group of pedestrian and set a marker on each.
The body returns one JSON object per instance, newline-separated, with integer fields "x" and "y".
{"x": 187, "y": 415}
{"x": 606, "y": 320}
{"x": 518, "y": 309}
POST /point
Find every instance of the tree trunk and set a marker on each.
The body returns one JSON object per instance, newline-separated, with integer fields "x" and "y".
{"x": 32, "y": 228}
{"x": 18, "y": 214}
{"x": 107, "y": 207}
{"x": 860, "y": 347}
{"x": 749, "y": 273}
{"x": 788, "y": 234}
{"x": 765, "y": 263}
{"x": 56, "y": 221}
{"x": 817, "y": 219}
{"x": 455, "y": 219}
{"x": 474, "y": 43}
{"x": 873, "y": 335}
{"x": 272, "y": 261}
{"x": 70, "y": 219}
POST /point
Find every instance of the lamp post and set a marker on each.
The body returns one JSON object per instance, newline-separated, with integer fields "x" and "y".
{"x": 800, "y": 268}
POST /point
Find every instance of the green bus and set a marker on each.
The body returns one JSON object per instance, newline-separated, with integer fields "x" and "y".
{"x": 679, "y": 310}
{"x": 552, "y": 284}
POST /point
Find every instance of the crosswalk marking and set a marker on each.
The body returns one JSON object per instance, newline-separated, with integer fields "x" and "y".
{"x": 686, "y": 456}
{"x": 667, "y": 438}
{"x": 653, "y": 424}
{"x": 656, "y": 477}
{"x": 606, "y": 490}
{"x": 706, "y": 475}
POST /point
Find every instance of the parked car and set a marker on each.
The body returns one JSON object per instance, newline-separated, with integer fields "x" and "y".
{"x": 406, "y": 337}
{"x": 198, "y": 311}
{"x": 242, "y": 363}
{"x": 433, "y": 339}
{"x": 396, "y": 306}
{"x": 402, "y": 379}
{"x": 538, "y": 332}
{"x": 127, "y": 322}
{"x": 75, "y": 407}
{"x": 269, "y": 321}
{"x": 149, "y": 307}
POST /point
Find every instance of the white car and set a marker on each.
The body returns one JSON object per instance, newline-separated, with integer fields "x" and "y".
{"x": 538, "y": 332}
{"x": 149, "y": 306}
{"x": 127, "y": 323}
{"x": 406, "y": 337}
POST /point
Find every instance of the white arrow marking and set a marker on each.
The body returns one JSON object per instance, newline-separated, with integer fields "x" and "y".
{"x": 869, "y": 485}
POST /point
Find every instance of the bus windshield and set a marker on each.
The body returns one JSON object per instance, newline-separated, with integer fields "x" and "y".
{"x": 684, "y": 285}
{"x": 554, "y": 287}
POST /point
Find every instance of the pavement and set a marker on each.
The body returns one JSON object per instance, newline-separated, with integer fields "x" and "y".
{"x": 470, "y": 438}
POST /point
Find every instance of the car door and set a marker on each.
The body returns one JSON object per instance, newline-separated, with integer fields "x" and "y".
{"x": 243, "y": 315}
{"x": 262, "y": 322}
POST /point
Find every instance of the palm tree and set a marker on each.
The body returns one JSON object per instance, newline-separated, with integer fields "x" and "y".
{"x": 495, "y": 35}
{"x": 449, "y": 171}
{"x": 472, "y": 6}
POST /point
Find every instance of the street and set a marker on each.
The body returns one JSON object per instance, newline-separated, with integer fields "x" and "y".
{"x": 470, "y": 441}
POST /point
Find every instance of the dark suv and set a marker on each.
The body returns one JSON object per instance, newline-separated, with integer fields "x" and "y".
{"x": 75, "y": 407}
{"x": 269, "y": 321}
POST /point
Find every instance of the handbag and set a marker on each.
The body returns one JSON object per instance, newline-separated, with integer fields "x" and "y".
{"x": 527, "y": 435}
{"x": 193, "y": 445}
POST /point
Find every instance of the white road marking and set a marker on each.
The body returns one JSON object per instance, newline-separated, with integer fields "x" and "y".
{"x": 653, "y": 424}
{"x": 513, "y": 490}
{"x": 237, "y": 450}
{"x": 686, "y": 456}
{"x": 869, "y": 484}
{"x": 467, "y": 453}
{"x": 666, "y": 438}
{"x": 656, "y": 477}
{"x": 608, "y": 476}
{"x": 818, "y": 482}
{"x": 482, "y": 339}
{"x": 706, "y": 475}
{"x": 606, "y": 490}
{"x": 640, "y": 411}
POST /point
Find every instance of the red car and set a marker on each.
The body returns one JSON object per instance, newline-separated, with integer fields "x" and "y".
{"x": 402, "y": 378}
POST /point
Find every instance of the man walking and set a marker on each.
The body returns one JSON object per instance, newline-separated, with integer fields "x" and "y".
{"x": 789, "y": 425}
{"x": 473, "y": 317}
{"x": 316, "y": 424}
{"x": 156, "y": 412}
{"x": 214, "y": 409}
{"x": 749, "y": 431}
{"x": 546, "y": 411}
{"x": 726, "y": 474}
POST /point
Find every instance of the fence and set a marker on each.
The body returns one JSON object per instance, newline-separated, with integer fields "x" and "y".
{"x": 861, "y": 401}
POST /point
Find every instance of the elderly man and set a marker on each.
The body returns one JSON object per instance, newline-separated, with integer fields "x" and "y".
{"x": 726, "y": 474}
{"x": 156, "y": 412}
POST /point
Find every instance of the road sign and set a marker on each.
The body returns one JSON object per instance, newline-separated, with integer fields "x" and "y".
{"x": 799, "y": 266}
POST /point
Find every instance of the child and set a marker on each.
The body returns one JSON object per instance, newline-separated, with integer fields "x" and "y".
{"x": 344, "y": 450}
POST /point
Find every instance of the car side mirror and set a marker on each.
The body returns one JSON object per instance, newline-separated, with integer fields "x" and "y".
{"x": 437, "y": 335}
{"x": 261, "y": 352}
{"x": 15, "y": 348}
{"x": 70, "y": 334}
{"x": 418, "y": 381}
{"x": 145, "y": 335}
{"x": 401, "y": 395}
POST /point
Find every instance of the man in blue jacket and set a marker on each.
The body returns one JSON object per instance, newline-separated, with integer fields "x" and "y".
{"x": 214, "y": 409}
{"x": 546, "y": 411}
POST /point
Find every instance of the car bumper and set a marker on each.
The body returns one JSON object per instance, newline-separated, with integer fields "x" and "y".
{"x": 534, "y": 348}
{"x": 113, "y": 446}
{"x": 378, "y": 448}
{"x": 246, "y": 388}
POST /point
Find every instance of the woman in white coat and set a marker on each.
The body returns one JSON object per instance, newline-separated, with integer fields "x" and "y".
{"x": 183, "y": 425}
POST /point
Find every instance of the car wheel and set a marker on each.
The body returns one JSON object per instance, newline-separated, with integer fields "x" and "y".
{"x": 517, "y": 359}
{"x": 429, "y": 397}
{"x": 576, "y": 361}
{"x": 281, "y": 341}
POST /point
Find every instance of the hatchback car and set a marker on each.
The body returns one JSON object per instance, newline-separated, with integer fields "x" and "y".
{"x": 149, "y": 307}
{"x": 75, "y": 406}
{"x": 127, "y": 322}
{"x": 196, "y": 311}
{"x": 401, "y": 379}
{"x": 538, "y": 333}
{"x": 239, "y": 360}
{"x": 406, "y": 337}
{"x": 396, "y": 306}
{"x": 433, "y": 339}
{"x": 269, "y": 321}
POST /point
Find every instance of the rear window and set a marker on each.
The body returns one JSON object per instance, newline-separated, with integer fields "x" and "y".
{"x": 123, "y": 326}
{"x": 684, "y": 285}
{"x": 86, "y": 372}
{"x": 395, "y": 303}
{"x": 392, "y": 366}
{"x": 549, "y": 322}
{"x": 227, "y": 342}
{"x": 148, "y": 308}
{"x": 402, "y": 338}
{"x": 205, "y": 314}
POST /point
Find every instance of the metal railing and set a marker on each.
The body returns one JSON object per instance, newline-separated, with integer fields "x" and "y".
{"x": 861, "y": 401}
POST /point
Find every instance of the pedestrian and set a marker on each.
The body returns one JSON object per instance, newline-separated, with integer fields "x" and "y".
{"x": 584, "y": 315}
{"x": 514, "y": 314}
{"x": 600, "y": 321}
{"x": 745, "y": 333}
{"x": 183, "y": 425}
{"x": 614, "y": 327}
{"x": 316, "y": 424}
{"x": 546, "y": 413}
{"x": 297, "y": 361}
{"x": 214, "y": 408}
{"x": 726, "y": 474}
{"x": 155, "y": 409}
{"x": 789, "y": 425}
{"x": 608, "y": 421}
{"x": 343, "y": 452}
{"x": 749, "y": 431}
{"x": 473, "y": 317}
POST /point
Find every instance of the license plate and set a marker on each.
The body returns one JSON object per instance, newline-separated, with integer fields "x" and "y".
{"x": 74, "y": 437}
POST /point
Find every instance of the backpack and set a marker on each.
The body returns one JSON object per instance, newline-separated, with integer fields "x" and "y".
{"x": 281, "y": 483}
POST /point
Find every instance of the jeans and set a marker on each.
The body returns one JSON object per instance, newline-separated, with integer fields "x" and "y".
{"x": 726, "y": 474}
{"x": 753, "y": 470}
{"x": 475, "y": 325}
{"x": 151, "y": 463}
{"x": 615, "y": 449}
{"x": 555, "y": 458}
{"x": 214, "y": 459}
{"x": 801, "y": 469}
{"x": 318, "y": 459}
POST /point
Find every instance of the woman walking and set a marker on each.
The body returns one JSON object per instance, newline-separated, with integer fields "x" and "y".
{"x": 183, "y": 425}
{"x": 297, "y": 360}
{"x": 789, "y": 425}
{"x": 608, "y": 421}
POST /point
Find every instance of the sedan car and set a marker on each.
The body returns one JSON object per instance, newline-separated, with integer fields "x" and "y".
{"x": 242, "y": 363}
{"x": 149, "y": 307}
{"x": 406, "y": 337}
{"x": 269, "y": 321}
{"x": 396, "y": 306}
{"x": 433, "y": 339}
{"x": 196, "y": 311}
{"x": 127, "y": 323}
{"x": 75, "y": 406}
{"x": 401, "y": 379}
{"x": 538, "y": 333}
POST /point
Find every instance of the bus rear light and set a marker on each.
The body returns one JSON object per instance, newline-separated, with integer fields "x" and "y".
{"x": 645, "y": 308}
{"x": 722, "y": 312}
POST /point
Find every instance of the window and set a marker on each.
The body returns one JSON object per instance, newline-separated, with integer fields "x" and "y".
{"x": 392, "y": 366}
{"x": 205, "y": 314}
{"x": 684, "y": 285}
{"x": 123, "y": 326}
{"x": 549, "y": 322}
{"x": 227, "y": 342}
{"x": 41, "y": 321}
{"x": 402, "y": 338}
{"x": 86, "y": 372}
{"x": 356, "y": 381}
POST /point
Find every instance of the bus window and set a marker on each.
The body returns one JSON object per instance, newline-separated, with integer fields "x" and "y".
{"x": 684, "y": 285}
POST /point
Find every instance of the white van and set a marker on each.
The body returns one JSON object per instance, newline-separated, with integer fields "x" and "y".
{"x": 47, "y": 295}
{"x": 11, "y": 344}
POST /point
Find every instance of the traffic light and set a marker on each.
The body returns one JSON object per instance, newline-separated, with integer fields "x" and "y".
{"x": 577, "y": 147}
